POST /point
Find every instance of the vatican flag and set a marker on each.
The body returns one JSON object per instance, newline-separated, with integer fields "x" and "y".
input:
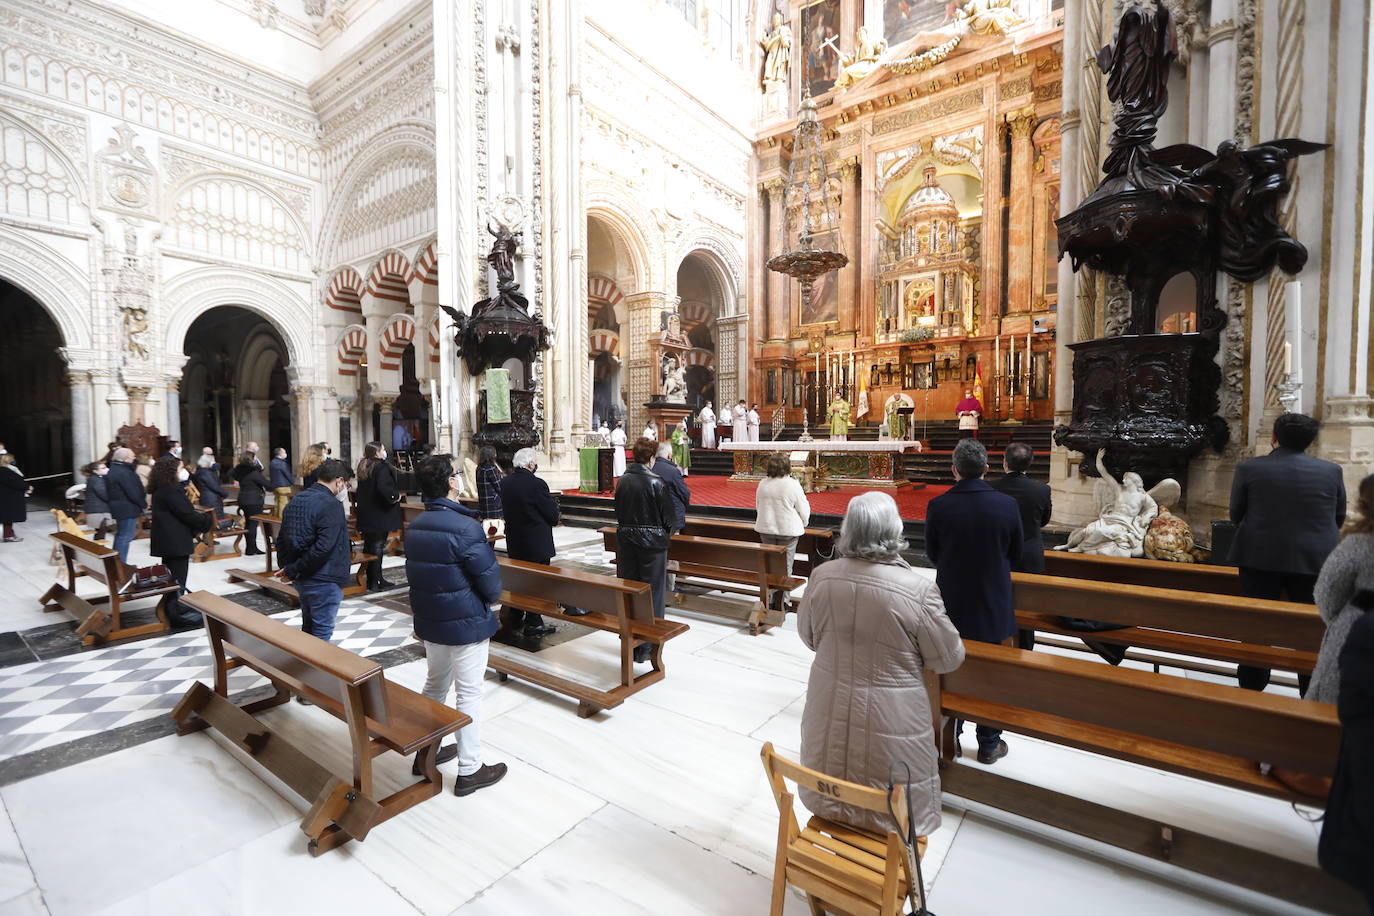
{"x": 862, "y": 407}
{"x": 978, "y": 381}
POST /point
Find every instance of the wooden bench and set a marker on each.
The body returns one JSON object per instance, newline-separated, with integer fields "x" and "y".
{"x": 270, "y": 525}
{"x": 813, "y": 541}
{"x": 412, "y": 511}
{"x": 613, "y": 605}
{"x": 381, "y": 717}
{"x": 99, "y": 615}
{"x": 1244, "y": 631}
{"x": 755, "y": 571}
{"x": 209, "y": 542}
{"x": 1189, "y": 577}
{"x": 1206, "y": 731}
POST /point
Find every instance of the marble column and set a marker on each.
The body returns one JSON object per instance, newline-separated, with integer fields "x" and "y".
{"x": 172, "y": 404}
{"x": 346, "y": 404}
{"x": 302, "y": 429}
{"x": 138, "y": 403}
{"x": 329, "y": 404}
{"x": 255, "y": 412}
{"x": 779, "y": 292}
{"x": 83, "y": 444}
{"x": 1020, "y": 236}
{"x": 386, "y": 405}
{"x": 850, "y": 226}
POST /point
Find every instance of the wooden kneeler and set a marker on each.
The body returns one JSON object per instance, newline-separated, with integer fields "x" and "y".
{"x": 381, "y": 717}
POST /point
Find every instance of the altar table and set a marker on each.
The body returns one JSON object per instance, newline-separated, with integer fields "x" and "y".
{"x": 837, "y": 464}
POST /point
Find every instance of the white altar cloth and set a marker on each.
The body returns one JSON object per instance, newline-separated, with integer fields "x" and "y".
{"x": 825, "y": 445}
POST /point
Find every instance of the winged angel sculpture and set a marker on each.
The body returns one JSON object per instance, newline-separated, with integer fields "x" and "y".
{"x": 1124, "y": 513}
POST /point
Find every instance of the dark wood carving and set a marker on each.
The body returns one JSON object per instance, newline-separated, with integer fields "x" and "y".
{"x": 1155, "y": 215}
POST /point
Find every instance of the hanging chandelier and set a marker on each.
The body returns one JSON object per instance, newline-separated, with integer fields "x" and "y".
{"x": 806, "y": 178}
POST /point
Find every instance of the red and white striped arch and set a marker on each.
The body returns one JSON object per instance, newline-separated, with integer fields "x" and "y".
{"x": 434, "y": 340}
{"x": 426, "y": 265}
{"x": 604, "y": 340}
{"x": 345, "y": 292}
{"x": 398, "y": 333}
{"x": 699, "y": 357}
{"x": 352, "y": 346}
{"x": 694, "y": 314}
{"x": 601, "y": 292}
{"x": 388, "y": 277}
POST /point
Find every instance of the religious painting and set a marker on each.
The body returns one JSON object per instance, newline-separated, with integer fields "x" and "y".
{"x": 924, "y": 376}
{"x": 1040, "y": 376}
{"x": 824, "y": 304}
{"x": 820, "y": 50}
{"x": 903, "y": 19}
{"x": 771, "y": 387}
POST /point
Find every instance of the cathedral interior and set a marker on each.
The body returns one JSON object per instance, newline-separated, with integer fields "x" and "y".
{"x": 1134, "y": 233}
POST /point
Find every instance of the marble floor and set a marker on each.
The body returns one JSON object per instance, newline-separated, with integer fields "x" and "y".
{"x": 659, "y": 806}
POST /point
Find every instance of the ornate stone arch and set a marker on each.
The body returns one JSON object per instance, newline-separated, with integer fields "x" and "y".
{"x": 633, "y": 229}
{"x": 261, "y": 353}
{"x": 261, "y": 236}
{"x": 194, "y": 293}
{"x": 53, "y": 281}
{"x": 62, "y": 198}
{"x": 721, "y": 251}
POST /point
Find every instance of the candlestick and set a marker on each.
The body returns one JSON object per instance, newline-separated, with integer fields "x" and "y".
{"x": 996, "y": 377}
{"x": 1292, "y": 300}
{"x": 1287, "y": 358}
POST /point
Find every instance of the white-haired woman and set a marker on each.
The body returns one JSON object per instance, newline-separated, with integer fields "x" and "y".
{"x": 875, "y": 625}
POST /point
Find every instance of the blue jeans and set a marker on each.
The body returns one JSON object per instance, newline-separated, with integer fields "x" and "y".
{"x": 125, "y": 529}
{"x": 319, "y": 606}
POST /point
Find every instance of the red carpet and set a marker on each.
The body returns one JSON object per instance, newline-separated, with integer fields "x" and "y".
{"x": 721, "y": 491}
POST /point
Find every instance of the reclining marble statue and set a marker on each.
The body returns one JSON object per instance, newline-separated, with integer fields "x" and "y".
{"x": 1124, "y": 513}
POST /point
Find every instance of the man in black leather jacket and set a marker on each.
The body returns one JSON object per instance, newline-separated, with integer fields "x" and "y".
{"x": 644, "y": 516}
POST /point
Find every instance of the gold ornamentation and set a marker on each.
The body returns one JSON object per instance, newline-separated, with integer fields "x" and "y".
{"x": 924, "y": 60}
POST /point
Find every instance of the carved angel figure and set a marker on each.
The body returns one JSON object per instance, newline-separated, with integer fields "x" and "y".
{"x": 674, "y": 380}
{"x": 862, "y": 61}
{"x": 990, "y": 17}
{"x": 1125, "y": 511}
{"x": 136, "y": 332}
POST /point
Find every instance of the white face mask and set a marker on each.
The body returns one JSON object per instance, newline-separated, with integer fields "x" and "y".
{"x": 183, "y": 474}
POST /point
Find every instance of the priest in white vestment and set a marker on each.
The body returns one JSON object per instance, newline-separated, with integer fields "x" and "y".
{"x": 707, "y": 419}
{"x": 751, "y": 420}
{"x": 618, "y": 456}
{"x": 740, "y": 424}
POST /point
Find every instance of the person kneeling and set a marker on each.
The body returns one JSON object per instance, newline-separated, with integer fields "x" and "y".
{"x": 455, "y": 584}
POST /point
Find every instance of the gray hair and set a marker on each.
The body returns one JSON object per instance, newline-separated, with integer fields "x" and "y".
{"x": 872, "y": 528}
{"x": 665, "y": 450}
{"x": 524, "y": 458}
{"x": 205, "y": 461}
{"x": 970, "y": 459}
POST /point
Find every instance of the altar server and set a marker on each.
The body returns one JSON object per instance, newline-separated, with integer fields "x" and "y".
{"x": 752, "y": 423}
{"x": 969, "y": 411}
{"x": 618, "y": 444}
{"x": 740, "y": 427}
{"x": 707, "y": 419}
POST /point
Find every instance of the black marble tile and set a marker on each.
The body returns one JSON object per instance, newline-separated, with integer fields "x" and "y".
{"x": 14, "y": 651}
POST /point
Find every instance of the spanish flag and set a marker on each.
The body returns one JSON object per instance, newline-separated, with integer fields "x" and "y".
{"x": 978, "y": 381}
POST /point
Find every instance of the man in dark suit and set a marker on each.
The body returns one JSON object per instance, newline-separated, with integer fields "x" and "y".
{"x": 1288, "y": 508}
{"x": 1033, "y": 501}
{"x": 974, "y": 538}
{"x": 530, "y": 512}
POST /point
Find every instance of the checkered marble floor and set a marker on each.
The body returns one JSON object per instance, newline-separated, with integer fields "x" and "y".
{"x": 51, "y": 702}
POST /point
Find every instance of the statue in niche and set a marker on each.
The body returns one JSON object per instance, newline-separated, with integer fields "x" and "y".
{"x": 777, "y": 63}
{"x": 674, "y": 379}
{"x": 502, "y": 257}
{"x": 136, "y": 331}
{"x": 989, "y": 17}
{"x": 863, "y": 60}
{"x": 1124, "y": 513}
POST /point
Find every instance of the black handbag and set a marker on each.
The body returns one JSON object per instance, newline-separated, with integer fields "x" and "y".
{"x": 146, "y": 577}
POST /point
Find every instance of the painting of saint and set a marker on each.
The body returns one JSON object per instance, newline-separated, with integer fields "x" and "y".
{"x": 820, "y": 24}
{"x": 904, "y": 18}
{"x": 1040, "y": 375}
{"x": 824, "y": 304}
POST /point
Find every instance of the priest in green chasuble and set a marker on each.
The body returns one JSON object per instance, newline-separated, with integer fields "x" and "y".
{"x": 837, "y": 415}
{"x": 682, "y": 447}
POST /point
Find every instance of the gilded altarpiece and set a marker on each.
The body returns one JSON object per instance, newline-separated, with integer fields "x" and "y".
{"x": 942, "y": 190}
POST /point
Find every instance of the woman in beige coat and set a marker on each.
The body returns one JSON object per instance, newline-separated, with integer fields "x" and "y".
{"x": 875, "y": 625}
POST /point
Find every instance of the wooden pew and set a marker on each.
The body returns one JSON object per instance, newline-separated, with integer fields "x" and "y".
{"x": 811, "y": 542}
{"x": 1246, "y": 631}
{"x": 270, "y": 525}
{"x": 613, "y": 605}
{"x": 99, "y": 615}
{"x": 208, "y": 543}
{"x": 1190, "y": 577}
{"x": 754, "y": 571}
{"x": 381, "y": 717}
{"x": 1206, "y": 731}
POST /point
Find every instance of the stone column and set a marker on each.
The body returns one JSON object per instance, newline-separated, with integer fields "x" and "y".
{"x": 302, "y": 429}
{"x": 386, "y": 405}
{"x": 779, "y": 293}
{"x": 344, "y": 408}
{"x": 1020, "y": 123}
{"x": 172, "y": 403}
{"x": 83, "y": 445}
{"x": 255, "y": 413}
{"x": 850, "y": 275}
{"x": 138, "y": 403}
{"x": 329, "y": 404}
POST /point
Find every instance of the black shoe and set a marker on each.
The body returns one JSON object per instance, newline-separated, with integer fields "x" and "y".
{"x": 446, "y": 753}
{"x": 537, "y": 630}
{"x": 382, "y": 585}
{"x": 994, "y": 755}
{"x": 252, "y": 553}
{"x": 642, "y": 652}
{"x": 489, "y": 774}
{"x": 575, "y": 612}
{"x": 303, "y": 701}
{"x": 185, "y": 621}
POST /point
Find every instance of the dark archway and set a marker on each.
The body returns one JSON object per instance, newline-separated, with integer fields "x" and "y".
{"x": 234, "y": 386}
{"x": 35, "y": 398}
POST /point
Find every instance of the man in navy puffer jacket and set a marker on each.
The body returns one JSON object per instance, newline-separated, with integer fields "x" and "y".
{"x": 454, "y": 584}
{"x": 314, "y": 549}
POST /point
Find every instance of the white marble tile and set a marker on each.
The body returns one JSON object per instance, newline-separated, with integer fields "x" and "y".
{"x": 271, "y": 874}
{"x": 702, "y": 632}
{"x": 16, "y": 877}
{"x": 29, "y": 903}
{"x": 992, "y": 869}
{"x": 739, "y": 699}
{"x": 784, "y": 729}
{"x": 497, "y": 698}
{"x": 702, "y": 782}
{"x": 116, "y": 825}
{"x": 639, "y": 868}
{"x": 779, "y": 652}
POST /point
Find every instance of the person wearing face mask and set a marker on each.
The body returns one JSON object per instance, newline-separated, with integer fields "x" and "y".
{"x": 379, "y": 509}
{"x": 175, "y": 526}
{"x": 313, "y": 548}
{"x": 174, "y": 448}
{"x": 280, "y": 478}
{"x": 96, "y": 501}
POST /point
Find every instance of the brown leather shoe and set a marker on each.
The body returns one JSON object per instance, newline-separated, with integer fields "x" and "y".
{"x": 994, "y": 755}
{"x": 489, "y": 774}
{"x": 446, "y": 753}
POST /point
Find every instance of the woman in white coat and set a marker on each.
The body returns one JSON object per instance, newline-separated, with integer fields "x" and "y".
{"x": 618, "y": 444}
{"x": 781, "y": 509}
{"x": 707, "y": 419}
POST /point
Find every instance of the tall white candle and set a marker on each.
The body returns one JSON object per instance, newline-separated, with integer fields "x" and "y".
{"x": 1292, "y": 300}
{"x": 1025, "y": 370}
{"x": 1287, "y": 358}
{"x": 996, "y": 374}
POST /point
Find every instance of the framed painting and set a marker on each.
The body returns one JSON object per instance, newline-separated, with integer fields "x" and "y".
{"x": 820, "y": 46}
{"x": 924, "y": 375}
{"x": 824, "y": 304}
{"x": 1040, "y": 376}
{"x": 903, "y": 19}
